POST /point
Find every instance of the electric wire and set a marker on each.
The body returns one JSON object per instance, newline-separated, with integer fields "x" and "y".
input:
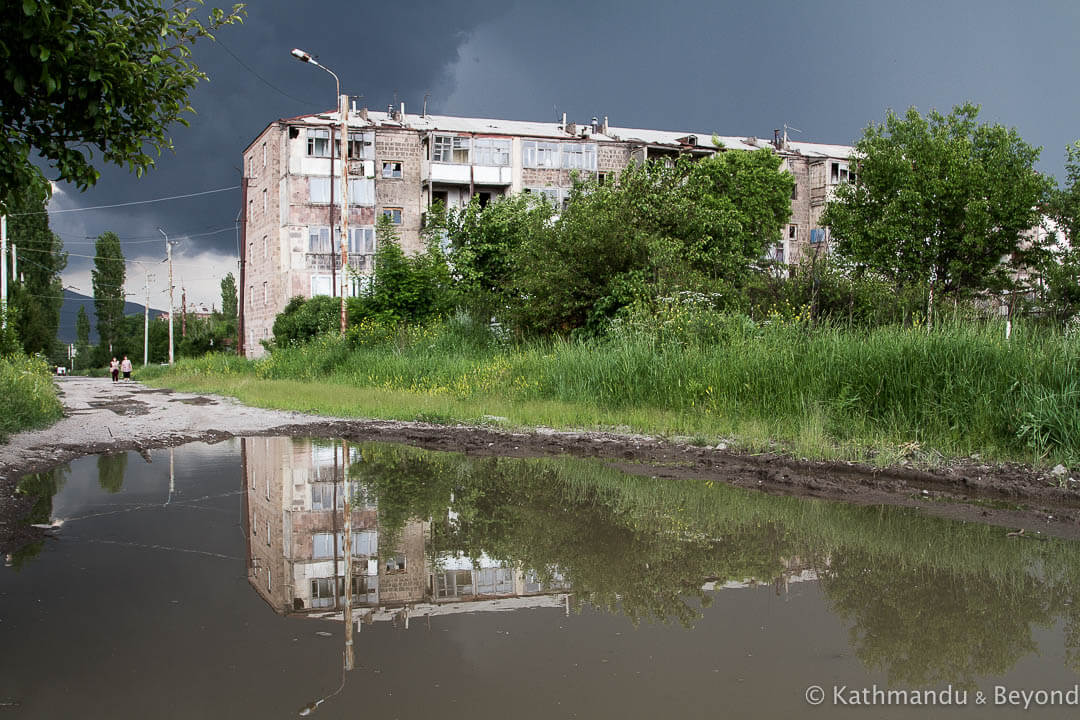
{"x": 126, "y": 204}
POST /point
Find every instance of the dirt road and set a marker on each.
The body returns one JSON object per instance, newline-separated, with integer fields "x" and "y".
{"x": 105, "y": 417}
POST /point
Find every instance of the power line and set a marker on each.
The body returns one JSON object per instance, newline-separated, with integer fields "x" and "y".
{"x": 251, "y": 70}
{"x": 134, "y": 240}
{"x": 125, "y": 204}
{"x": 135, "y": 262}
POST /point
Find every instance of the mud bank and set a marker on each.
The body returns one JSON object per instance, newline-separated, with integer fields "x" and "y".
{"x": 105, "y": 417}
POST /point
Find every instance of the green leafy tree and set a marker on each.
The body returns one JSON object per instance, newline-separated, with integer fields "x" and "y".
{"x": 483, "y": 242}
{"x": 406, "y": 289}
{"x": 109, "y": 76}
{"x": 82, "y": 339}
{"x": 687, "y": 225}
{"x": 1065, "y": 202}
{"x": 229, "y": 302}
{"x": 107, "y": 278}
{"x": 939, "y": 201}
{"x": 111, "y": 468}
{"x": 37, "y": 293}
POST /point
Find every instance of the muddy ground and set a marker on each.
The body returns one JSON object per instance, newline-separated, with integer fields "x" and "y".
{"x": 105, "y": 417}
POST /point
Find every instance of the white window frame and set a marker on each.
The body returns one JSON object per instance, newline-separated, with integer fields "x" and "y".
{"x": 319, "y": 240}
{"x": 318, "y": 142}
{"x": 361, "y": 192}
{"x": 264, "y": 154}
{"x": 361, "y": 145}
{"x": 579, "y": 156}
{"x": 452, "y": 149}
{"x": 318, "y": 282}
{"x": 492, "y": 152}
{"x": 393, "y": 169}
{"x": 362, "y": 240}
{"x": 319, "y": 188}
{"x": 540, "y": 154}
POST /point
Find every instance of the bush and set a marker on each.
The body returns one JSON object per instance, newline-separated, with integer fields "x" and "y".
{"x": 30, "y": 399}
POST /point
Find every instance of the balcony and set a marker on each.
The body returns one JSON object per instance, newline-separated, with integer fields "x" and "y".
{"x": 461, "y": 174}
{"x": 323, "y": 263}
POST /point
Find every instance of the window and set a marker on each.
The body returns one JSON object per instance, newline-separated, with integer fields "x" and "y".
{"x": 266, "y": 300}
{"x": 364, "y": 543}
{"x": 251, "y": 166}
{"x": 266, "y": 200}
{"x": 394, "y": 214}
{"x": 817, "y": 235}
{"x": 579, "y": 156}
{"x": 793, "y": 232}
{"x": 795, "y": 192}
{"x": 264, "y": 154}
{"x": 454, "y": 583}
{"x": 318, "y": 143}
{"x": 268, "y": 587}
{"x": 536, "y": 154}
{"x": 251, "y": 209}
{"x": 361, "y": 192}
{"x": 321, "y": 285}
{"x": 395, "y": 563}
{"x": 391, "y": 169}
{"x": 266, "y": 247}
{"x": 322, "y": 497}
{"x": 361, "y": 146}
{"x": 254, "y": 524}
{"x": 319, "y": 187}
{"x": 267, "y": 532}
{"x": 491, "y": 151}
{"x": 555, "y": 196}
{"x": 362, "y": 240}
{"x": 601, "y": 178}
{"x": 322, "y": 590}
{"x": 318, "y": 239}
{"x": 451, "y": 149}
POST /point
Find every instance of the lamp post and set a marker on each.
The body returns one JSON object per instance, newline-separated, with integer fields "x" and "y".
{"x": 343, "y": 110}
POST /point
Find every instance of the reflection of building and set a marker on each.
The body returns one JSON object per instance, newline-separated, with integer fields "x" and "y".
{"x": 293, "y": 525}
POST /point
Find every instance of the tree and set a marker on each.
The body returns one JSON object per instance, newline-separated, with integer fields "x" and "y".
{"x": 37, "y": 293}
{"x": 1065, "y": 202}
{"x": 108, "y": 281}
{"x": 689, "y": 225}
{"x": 229, "y": 302}
{"x": 82, "y": 338}
{"x": 938, "y": 201}
{"x": 104, "y": 75}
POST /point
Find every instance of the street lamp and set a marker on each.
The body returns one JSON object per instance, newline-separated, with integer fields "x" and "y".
{"x": 343, "y": 109}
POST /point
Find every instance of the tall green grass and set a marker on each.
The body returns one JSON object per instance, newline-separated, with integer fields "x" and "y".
{"x": 29, "y": 394}
{"x": 822, "y": 391}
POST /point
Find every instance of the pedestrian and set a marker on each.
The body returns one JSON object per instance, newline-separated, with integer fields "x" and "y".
{"x": 114, "y": 369}
{"x": 125, "y": 367}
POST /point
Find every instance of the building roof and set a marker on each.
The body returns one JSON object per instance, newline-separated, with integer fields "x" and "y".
{"x": 556, "y": 131}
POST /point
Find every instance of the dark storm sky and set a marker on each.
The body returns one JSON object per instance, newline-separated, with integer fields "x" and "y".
{"x": 736, "y": 68}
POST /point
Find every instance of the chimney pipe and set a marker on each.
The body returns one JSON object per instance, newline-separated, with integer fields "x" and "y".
{"x": 564, "y": 119}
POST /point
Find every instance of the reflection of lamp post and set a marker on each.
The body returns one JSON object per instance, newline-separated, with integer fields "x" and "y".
{"x": 343, "y": 109}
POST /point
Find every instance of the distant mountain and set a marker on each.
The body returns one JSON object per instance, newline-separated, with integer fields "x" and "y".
{"x": 69, "y": 313}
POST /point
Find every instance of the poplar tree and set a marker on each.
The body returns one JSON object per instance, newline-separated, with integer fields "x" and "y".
{"x": 108, "y": 280}
{"x": 229, "y": 301}
{"x": 37, "y": 293}
{"x": 82, "y": 338}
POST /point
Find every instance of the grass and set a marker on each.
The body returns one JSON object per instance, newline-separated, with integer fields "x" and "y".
{"x": 826, "y": 392}
{"x": 29, "y": 394}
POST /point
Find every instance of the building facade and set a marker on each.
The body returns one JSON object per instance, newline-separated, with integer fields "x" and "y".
{"x": 399, "y": 164}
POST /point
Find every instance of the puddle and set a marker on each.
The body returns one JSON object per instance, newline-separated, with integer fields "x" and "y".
{"x": 195, "y": 401}
{"x": 126, "y": 405}
{"x": 181, "y": 582}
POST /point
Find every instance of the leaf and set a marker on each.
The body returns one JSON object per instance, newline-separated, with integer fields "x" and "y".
{"x": 30, "y": 7}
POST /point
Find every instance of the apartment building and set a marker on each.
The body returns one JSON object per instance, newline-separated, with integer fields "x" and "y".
{"x": 398, "y": 164}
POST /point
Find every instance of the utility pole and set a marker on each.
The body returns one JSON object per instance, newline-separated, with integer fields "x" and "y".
{"x": 146, "y": 323}
{"x": 168, "y": 250}
{"x": 183, "y": 311}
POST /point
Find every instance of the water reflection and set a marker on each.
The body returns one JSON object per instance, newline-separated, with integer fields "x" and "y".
{"x": 928, "y": 601}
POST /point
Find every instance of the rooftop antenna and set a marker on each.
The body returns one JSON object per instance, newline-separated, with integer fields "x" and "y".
{"x": 788, "y": 127}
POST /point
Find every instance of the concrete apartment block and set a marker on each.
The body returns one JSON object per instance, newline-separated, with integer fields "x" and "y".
{"x": 399, "y": 164}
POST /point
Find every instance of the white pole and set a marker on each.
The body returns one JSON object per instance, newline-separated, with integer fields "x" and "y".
{"x": 168, "y": 251}
{"x": 14, "y": 263}
{"x": 146, "y": 324}
{"x": 3, "y": 269}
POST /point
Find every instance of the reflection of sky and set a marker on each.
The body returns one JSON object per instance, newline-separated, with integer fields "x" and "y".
{"x": 143, "y": 482}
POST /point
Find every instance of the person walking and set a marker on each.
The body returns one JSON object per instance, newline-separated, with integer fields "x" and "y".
{"x": 125, "y": 367}
{"x": 114, "y": 369}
